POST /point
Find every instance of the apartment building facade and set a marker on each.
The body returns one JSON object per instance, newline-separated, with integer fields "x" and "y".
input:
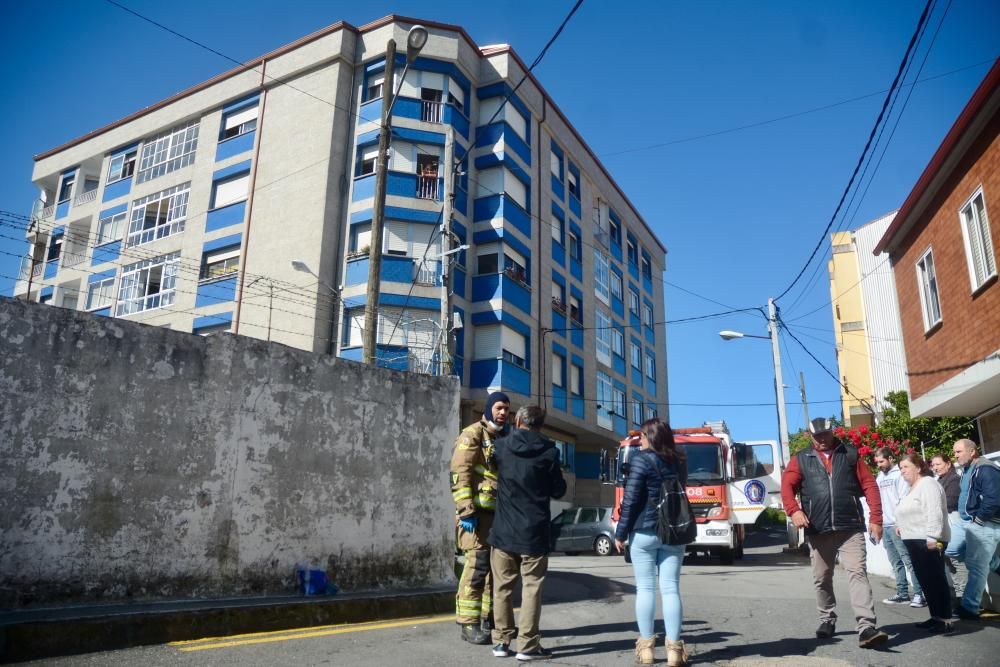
{"x": 866, "y": 323}
{"x": 209, "y": 211}
{"x": 944, "y": 246}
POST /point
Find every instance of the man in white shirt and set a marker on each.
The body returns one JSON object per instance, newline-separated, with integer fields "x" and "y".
{"x": 892, "y": 487}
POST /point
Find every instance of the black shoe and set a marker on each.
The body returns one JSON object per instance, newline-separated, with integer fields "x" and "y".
{"x": 474, "y": 634}
{"x": 538, "y": 654}
{"x": 826, "y": 630}
{"x": 965, "y": 614}
{"x": 487, "y": 623}
{"x": 929, "y": 623}
{"x": 941, "y": 627}
{"x": 870, "y": 638}
{"x": 502, "y": 650}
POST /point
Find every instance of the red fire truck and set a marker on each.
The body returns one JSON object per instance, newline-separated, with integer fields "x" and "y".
{"x": 729, "y": 484}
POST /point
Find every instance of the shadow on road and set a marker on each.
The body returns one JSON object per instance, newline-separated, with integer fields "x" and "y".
{"x": 576, "y": 586}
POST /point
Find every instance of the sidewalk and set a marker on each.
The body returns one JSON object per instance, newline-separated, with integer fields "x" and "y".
{"x": 54, "y": 631}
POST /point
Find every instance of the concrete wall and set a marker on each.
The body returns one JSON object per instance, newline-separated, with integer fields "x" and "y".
{"x": 140, "y": 462}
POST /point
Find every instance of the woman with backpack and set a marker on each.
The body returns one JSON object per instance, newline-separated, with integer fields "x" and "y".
{"x": 658, "y": 459}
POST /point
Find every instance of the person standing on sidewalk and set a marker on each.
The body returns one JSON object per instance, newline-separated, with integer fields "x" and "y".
{"x": 658, "y": 457}
{"x": 474, "y": 489}
{"x": 950, "y": 481}
{"x": 922, "y": 524}
{"x": 891, "y": 488}
{"x": 530, "y": 476}
{"x": 979, "y": 508}
{"x": 830, "y": 479}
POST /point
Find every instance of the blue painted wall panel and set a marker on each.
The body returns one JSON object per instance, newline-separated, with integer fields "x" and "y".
{"x": 616, "y": 250}
{"x": 409, "y": 215}
{"x": 650, "y": 387}
{"x": 230, "y": 147}
{"x": 620, "y": 425}
{"x": 352, "y": 353}
{"x": 231, "y": 170}
{"x": 577, "y": 407}
{"x": 516, "y": 295}
{"x": 226, "y": 216}
{"x": 649, "y": 335}
{"x": 485, "y": 288}
{"x": 46, "y": 291}
{"x": 98, "y": 277}
{"x": 636, "y": 376}
{"x": 108, "y": 252}
{"x": 484, "y": 373}
{"x": 461, "y": 201}
{"x": 576, "y": 335}
{"x": 114, "y": 210}
{"x": 574, "y": 206}
{"x": 117, "y": 189}
{"x": 357, "y": 272}
{"x": 576, "y": 268}
{"x": 618, "y": 364}
{"x": 559, "y": 398}
{"x": 633, "y": 271}
{"x": 215, "y": 292}
{"x": 558, "y": 323}
{"x": 225, "y": 241}
{"x": 558, "y": 189}
{"x": 51, "y": 269}
{"x": 618, "y": 307}
{"x": 364, "y": 188}
{"x": 458, "y": 282}
{"x": 211, "y": 320}
{"x": 62, "y": 210}
{"x": 103, "y": 312}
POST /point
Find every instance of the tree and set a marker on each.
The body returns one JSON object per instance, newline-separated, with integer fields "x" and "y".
{"x": 936, "y": 434}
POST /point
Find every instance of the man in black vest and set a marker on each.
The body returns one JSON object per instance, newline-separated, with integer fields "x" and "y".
{"x": 830, "y": 479}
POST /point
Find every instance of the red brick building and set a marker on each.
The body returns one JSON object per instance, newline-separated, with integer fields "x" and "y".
{"x": 944, "y": 245}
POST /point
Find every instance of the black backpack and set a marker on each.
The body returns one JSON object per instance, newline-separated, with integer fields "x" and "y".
{"x": 675, "y": 522}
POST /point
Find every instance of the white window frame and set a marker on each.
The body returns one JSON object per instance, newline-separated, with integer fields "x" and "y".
{"x": 377, "y": 80}
{"x": 234, "y": 189}
{"x": 575, "y": 301}
{"x": 650, "y": 411}
{"x": 555, "y": 165}
{"x": 67, "y": 183}
{"x": 647, "y": 315}
{"x": 978, "y": 241}
{"x": 103, "y": 291}
{"x": 575, "y": 248}
{"x": 557, "y": 229}
{"x": 602, "y": 272}
{"x": 634, "y": 302}
{"x": 111, "y": 228}
{"x": 575, "y": 380}
{"x": 243, "y": 119}
{"x": 617, "y": 286}
{"x": 602, "y": 336}
{"x": 651, "y": 367}
{"x": 176, "y": 200}
{"x": 927, "y": 286}
{"x": 119, "y": 165}
{"x": 617, "y": 343}
{"x": 168, "y": 152}
{"x": 134, "y": 295}
{"x": 558, "y": 370}
{"x": 637, "y": 413}
{"x": 572, "y": 184}
{"x": 367, "y": 160}
{"x": 618, "y": 402}
{"x": 635, "y": 356}
{"x": 224, "y": 257}
{"x": 605, "y": 401}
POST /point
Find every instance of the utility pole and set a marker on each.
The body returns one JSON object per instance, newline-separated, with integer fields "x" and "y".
{"x": 444, "y": 355}
{"x": 802, "y": 393}
{"x": 270, "y": 306}
{"x": 378, "y": 220}
{"x": 779, "y": 387}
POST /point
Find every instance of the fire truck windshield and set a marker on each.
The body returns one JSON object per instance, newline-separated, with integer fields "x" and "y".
{"x": 704, "y": 464}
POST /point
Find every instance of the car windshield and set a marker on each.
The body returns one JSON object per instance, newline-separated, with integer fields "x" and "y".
{"x": 704, "y": 464}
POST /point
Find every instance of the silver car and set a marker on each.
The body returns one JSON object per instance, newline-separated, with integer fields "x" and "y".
{"x": 580, "y": 529}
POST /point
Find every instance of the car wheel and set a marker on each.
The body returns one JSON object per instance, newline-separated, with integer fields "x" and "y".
{"x": 602, "y": 545}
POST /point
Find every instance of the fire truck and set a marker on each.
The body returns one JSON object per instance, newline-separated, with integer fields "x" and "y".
{"x": 729, "y": 484}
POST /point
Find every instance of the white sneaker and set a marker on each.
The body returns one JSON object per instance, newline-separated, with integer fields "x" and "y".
{"x": 918, "y": 601}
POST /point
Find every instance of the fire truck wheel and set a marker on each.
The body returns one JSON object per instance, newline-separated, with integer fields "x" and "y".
{"x": 602, "y": 545}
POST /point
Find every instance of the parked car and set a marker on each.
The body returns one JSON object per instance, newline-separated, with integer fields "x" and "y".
{"x": 580, "y": 529}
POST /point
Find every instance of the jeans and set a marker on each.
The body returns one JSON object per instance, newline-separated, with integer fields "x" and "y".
{"x": 980, "y": 558}
{"x": 650, "y": 558}
{"x": 899, "y": 558}
{"x": 955, "y": 552}
{"x": 928, "y": 568}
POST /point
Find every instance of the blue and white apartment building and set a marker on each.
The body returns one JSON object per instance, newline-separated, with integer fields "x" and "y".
{"x": 190, "y": 213}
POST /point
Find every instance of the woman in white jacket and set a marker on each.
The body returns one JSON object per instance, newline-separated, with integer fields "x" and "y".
{"x": 922, "y": 522}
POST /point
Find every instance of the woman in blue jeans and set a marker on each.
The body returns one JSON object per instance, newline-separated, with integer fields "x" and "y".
{"x": 658, "y": 457}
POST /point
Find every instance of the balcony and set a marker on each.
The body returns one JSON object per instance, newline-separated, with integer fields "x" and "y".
{"x": 430, "y": 111}
{"x": 426, "y": 273}
{"x": 85, "y": 198}
{"x": 427, "y": 186}
{"x": 558, "y": 305}
{"x": 518, "y": 275}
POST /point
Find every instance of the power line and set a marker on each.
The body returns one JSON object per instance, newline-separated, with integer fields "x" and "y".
{"x": 864, "y": 152}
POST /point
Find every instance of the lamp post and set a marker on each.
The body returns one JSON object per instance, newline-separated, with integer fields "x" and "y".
{"x": 416, "y": 38}
{"x": 779, "y": 393}
{"x": 299, "y": 265}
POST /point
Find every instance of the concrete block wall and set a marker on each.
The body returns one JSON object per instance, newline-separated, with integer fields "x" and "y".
{"x": 138, "y": 462}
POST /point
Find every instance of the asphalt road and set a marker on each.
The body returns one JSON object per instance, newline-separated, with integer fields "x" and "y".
{"x": 760, "y": 611}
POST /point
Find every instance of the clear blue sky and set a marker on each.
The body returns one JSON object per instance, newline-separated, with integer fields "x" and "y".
{"x": 739, "y": 211}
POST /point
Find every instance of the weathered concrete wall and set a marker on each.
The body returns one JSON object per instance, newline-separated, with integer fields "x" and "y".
{"x": 139, "y": 462}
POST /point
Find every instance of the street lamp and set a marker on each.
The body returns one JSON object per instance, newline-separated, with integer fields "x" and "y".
{"x": 416, "y": 38}
{"x": 299, "y": 265}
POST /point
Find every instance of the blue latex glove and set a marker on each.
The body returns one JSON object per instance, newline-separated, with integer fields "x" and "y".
{"x": 469, "y": 523}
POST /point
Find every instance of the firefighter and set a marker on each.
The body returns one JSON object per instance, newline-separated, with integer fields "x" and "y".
{"x": 474, "y": 490}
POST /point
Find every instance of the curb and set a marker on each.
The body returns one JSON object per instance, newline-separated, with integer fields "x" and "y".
{"x": 47, "y": 633}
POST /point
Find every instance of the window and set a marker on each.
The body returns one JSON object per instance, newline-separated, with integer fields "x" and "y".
{"x": 555, "y": 165}
{"x": 487, "y": 263}
{"x": 374, "y": 89}
{"x": 122, "y": 166}
{"x": 601, "y": 277}
{"x": 110, "y": 228}
{"x": 354, "y": 326}
{"x": 637, "y": 413}
{"x": 367, "y": 159}
{"x": 159, "y": 215}
{"x": 575, "y": 247}
{"x": 633, "y": 301}
{"x": 515, "y": 265}
{"x": 557, "y": 230}
{"x": 497, "y": 180}
{"x": 55, "y": 248}
{"x": 618, "y": 402}
{"x": 647, "y": 268}
{"x": 558, "y": 293}
{"x": 575, "y": 309}
{"x": 168, "y": 152}
{"x": 978, "y": 244}
{"x": 632, "y": 251}
{"x": 212, "y": 329}
{"x": 239, "y": 121}
{"x": 456, "y": 96}
{"x": 635, "y": 354}
{"x": 930, "y": 304}
{"x": 66, "y": 187}
{"x": 408, "y": 240}
{"x": 618, "y": 343}
{"x": 650, "y": 367}
{"x": 615, "y": 229}
{"x": 567, "y": 459}
{"x": 558, "y": 370}
{"x": 574, "y": 186}
{"x": 230, "y": 190}
{"x": 576, "y": 380}
{"x": 605, "y": 402}
{"x": 650, "y": 411}
{"x": 45, "y": 299}
{"x": 100, "y": 294}
{"x": 647, "y": 315}
{"x": 514, "y": 347}
{"x": 361, "y": 238}
{"x": 220, "y": 262}
{"x": 148, "y": 284}
{"x": 616, "y": 286}
{"x": 602, "y": 336}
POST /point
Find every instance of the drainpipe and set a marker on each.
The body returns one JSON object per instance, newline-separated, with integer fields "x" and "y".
{"x": 542, "y": 359}
{"x": 253, "y": 188}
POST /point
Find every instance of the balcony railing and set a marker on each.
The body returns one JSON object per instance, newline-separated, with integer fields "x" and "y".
{"x": 425, "y": 273}
{"x": 558, "y": 305}
{"x": 427, "y": 187}
{"x": 69, "y": 259}
{"x": 85, "y": 198}
{"x": 38, "y": 269}
{"x": 430, "y": 111}
{"x": 517, "y": 275}
{"x": 47, "y": 212}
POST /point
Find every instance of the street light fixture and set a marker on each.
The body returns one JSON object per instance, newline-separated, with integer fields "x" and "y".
{"x": 416, "y": 39}
{"x": 299, "y": 265}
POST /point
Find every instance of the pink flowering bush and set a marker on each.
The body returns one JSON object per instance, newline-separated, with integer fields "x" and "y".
{"x": 867, "y": 441}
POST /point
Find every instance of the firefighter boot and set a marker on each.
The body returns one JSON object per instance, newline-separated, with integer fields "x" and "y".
{"x": 473, "y": 633}
{"x": 644, "y": 651}
{"x": 677, "y": 655}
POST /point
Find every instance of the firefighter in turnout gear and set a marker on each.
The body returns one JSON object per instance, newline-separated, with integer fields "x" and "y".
{"x": 474, "y": 490}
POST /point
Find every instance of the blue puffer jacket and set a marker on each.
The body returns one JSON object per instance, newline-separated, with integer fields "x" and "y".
{"x": 642, "y": 492}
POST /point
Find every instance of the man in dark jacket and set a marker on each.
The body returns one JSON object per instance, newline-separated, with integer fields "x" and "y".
{"x": 830, "y": 479}
{"x": 529, "y": 476}
{"x": 979, "y": 508}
